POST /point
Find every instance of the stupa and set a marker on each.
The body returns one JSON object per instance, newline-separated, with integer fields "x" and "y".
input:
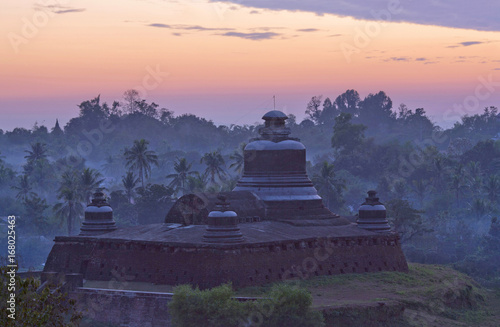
{"x": 275, "y": 170}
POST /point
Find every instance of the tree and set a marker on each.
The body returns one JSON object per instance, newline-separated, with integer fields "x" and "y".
{"x": 478, "y": 207}
{"x": 36, "y": 161}
{"x": 215, "y": 165}
{"x": 313, "y": 110}
{"x": 458, "y": 184}
{"x": 438, "y": 172}
{"x": 89, "y": 181}
{"x": 348, "y": 102}
{"x": 140, "y": 158}
{"x": 33, "y": 307}
{"x": 23, "y": 187}
{"x": 113, "y": 165}
{"x": 328, "y": 185}
{"x": 420, "y": 187}
{"x": 35, "y": 206}
{"x": 196, "y": 184}
{"x": 291, "y": 121}
{"x": 6, "y": 174}
{"x": 238, "y": 158}
{"x": 405, "y": 219}
{"x": 492, "y": 188}
{"x": 375, "y": 109}
{"x": 153, "y": 202}
{"x": 329, "y": 112}
{"x": 131, "y": 98}
{"x": 182, "y": 171}
{"x": 92, "y": 114}
{"x": 69, "y": 192}
{"x": 129, "y": 182}
{"x": 38, "y": 152}
{"x": 347, "y": 136}
{"x": 147, "y": 109}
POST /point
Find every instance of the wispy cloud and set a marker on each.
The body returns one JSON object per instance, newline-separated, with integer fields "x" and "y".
{"x": 188, "y": 27}
{"x": 469, "y": 43}
{"x": 397, "y": 59}
{"x": 160, "y": 25}
{"x": 58, "y": 9}
{"x": 67, "y": 11}
{"x": 423, "y": 60}
{"x": 465, "y": 44}
{"x": 308, "y": 30}
{"x": 253, "y": 36}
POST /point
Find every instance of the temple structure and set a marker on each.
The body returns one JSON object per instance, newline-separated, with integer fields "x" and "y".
{"x": 275, "y": 170}
{"x": 272, "y": 227}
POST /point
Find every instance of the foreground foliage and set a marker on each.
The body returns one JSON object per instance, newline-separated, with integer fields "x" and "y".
{"x": 45, "y": 308}
{"x": 284, "y": 305}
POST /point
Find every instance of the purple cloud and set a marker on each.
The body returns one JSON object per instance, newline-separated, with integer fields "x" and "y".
{"x": 478, "y": 15}
{"x": 252, "y": 36}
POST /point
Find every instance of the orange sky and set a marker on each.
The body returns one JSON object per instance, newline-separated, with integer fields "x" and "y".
{"x": 95, "y": 47}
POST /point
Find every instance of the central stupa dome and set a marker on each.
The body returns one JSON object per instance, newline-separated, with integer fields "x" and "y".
{"x": 275, "y": 170}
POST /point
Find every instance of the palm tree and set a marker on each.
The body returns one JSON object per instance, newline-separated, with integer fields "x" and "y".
{"x": 479, "y": 207}
{"x": 457, "y": 184}
{"x": 24, "y": 188}
{"x": 89, "y": 181}
{"x": 38, "y": 152}
{"x": 140, "y": 158}
{"x": 112, "y": 165}
{"x": 37, "y": 163}
{"x": 492, "y": 188}
{"x": 195, "y": 184}
{"x": 474, "y": 169}
{"x": 214, "y": 161}
{"x": 182, "y": 171}
{"x": 327, "y": 184}
{"x": 69, "y": 193}
{"x": 129, "y": 183}
{"x": 238, "y": 158}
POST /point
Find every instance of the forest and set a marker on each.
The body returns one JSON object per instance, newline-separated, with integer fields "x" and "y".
{"x": 441, "y": 186}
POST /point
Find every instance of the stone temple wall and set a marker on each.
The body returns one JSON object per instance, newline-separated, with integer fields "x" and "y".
{"x": 122, "y": 308}
{"x": 208, "y": 266}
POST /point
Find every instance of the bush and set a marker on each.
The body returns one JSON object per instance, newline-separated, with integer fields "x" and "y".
{"x": 284, "y": 305}
{"x": 292, "y": 308}
{"x": 46, "y": 308}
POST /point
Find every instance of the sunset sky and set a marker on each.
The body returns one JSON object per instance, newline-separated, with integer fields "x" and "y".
{"x": 225, "y": 60}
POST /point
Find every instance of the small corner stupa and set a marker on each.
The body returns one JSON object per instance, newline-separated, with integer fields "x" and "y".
{"x": 98, "y": 216}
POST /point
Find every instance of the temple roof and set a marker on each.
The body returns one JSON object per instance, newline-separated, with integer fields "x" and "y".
{"x": 274, "y": 114}
{"x": 254, "y": 233}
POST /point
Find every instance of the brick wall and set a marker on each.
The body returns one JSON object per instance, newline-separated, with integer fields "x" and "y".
{"x": 208, "y": 266}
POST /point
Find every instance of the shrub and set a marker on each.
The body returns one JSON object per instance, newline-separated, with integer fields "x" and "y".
{"x": 46, "y": 308}
{"x": 284, "y": 305}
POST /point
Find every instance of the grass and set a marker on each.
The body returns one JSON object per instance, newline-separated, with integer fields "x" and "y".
{"x": 428, "y": 292}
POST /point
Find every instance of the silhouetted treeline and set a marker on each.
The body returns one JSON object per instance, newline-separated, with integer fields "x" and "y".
{"x": 441, "y": 186}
